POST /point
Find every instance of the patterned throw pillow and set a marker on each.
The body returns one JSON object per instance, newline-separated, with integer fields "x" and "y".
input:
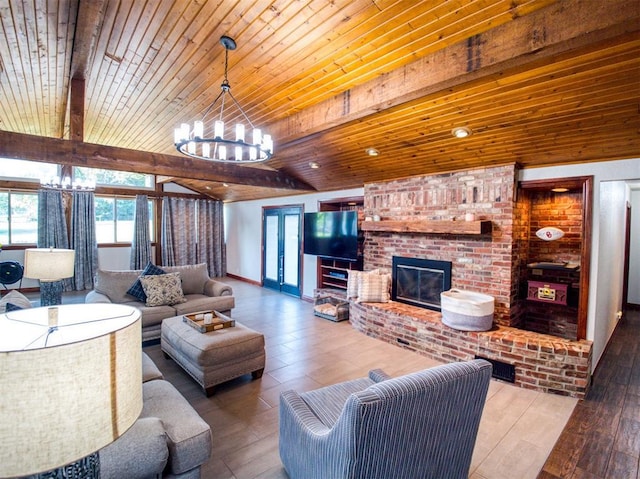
{"x": 373, "y": 288}
{"x": 163, "y": 289}
{"x": 136, "y": 290}
{"x": 353, "y": 282}
{"x": 13, "y": 307}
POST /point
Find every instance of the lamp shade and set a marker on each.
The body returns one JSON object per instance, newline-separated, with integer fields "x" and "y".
{"x": 48, "y": 264}
{"x": 70, "y": 391}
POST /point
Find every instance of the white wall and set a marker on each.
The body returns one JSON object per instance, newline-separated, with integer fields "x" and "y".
{"x": 634, "y": 253}
{"x": 605, "y": 288}
{"x": 608, "y": 300}
{"x": 243, "y": 231}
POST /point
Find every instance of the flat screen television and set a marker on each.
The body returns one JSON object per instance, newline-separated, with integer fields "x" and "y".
{"x": 331, "y": 234}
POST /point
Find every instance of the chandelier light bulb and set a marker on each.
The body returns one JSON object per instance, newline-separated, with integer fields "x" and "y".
{"x": 218, "y": 129}
{"x": 239, "y": 132}
{"x": 206, "y": 150}
{"x": 222, "y": 152}
{"x": 198, "y": 129}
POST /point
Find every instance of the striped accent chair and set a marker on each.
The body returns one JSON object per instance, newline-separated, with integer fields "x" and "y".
{"x": 418, "y": 426}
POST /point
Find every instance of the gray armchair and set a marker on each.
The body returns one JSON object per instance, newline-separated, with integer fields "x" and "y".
{"x": 422, "y": 425}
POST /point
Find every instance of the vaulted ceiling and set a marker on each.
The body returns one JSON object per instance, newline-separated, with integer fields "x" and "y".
{"x": 104, "y": 82}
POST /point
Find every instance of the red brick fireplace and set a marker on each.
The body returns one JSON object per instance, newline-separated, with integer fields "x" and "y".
{"x": 424, "y": 217}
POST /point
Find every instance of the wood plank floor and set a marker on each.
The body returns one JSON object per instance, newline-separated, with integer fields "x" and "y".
{"x": 602, "y": 437}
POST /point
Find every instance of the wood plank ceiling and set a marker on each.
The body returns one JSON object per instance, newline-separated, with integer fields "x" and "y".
{"x": 539, "y": 82}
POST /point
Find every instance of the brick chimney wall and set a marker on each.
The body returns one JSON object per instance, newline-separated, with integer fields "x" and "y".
{"x": 479, "y": 263}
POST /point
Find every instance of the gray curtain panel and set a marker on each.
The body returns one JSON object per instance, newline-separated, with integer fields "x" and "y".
{"x": 141, "y": 243}
{"x": 52, "y": 225}
{"x": 178, "y": 236}
{"x": 83, "y": 239}
{"x": 211, "y": 237}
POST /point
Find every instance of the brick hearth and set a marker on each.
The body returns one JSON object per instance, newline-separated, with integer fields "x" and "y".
{"x": 542, "y": 362}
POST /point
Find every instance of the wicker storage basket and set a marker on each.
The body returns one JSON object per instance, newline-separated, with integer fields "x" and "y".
{"x": 467, "y": 310}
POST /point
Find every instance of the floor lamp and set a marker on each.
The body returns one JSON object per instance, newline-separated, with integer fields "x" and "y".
{"x": 67, "y": 390}
{"x": 50, "y": 266}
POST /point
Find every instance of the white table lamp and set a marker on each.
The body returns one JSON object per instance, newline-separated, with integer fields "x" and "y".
{"x": 67, "y": 391}
{"x": 50, "y": 266}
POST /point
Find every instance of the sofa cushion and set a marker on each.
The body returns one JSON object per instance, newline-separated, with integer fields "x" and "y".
{"x": 188, "y": 435}
{"x": 163, "y": 289}
{"x": 139, "y": 453}
{"x": 136, "y": 290}
{"x": 199, "y": 302}
{"x": 114, "y": 284}
{"x": 149, "y": 369}
{"x": 152, "y": 315}
{"x": 194, "y": 277}
{"x": 16, "y": 298}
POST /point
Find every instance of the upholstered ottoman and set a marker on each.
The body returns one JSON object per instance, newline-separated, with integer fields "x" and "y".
{"x": 214, "y": 357}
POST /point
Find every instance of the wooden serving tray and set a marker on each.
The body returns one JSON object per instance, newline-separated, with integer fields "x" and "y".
{"x": 220, "y": 321}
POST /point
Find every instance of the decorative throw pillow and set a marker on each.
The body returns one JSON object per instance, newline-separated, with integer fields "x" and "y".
{"x": 353, "y": 282}
{"x": 16, "y": 299}
{"x": 373, "y": 288}
{"x": 162, "y": 289}
{"x": 136, "y": 290}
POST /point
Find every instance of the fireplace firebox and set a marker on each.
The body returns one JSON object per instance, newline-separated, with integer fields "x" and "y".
{"x": 419, "y": 282}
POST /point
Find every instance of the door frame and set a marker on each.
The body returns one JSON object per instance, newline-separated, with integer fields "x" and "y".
{"x": 282, "y": 208}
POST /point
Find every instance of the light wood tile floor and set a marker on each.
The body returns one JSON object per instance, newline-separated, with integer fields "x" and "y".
{"x": 518, "y": 428}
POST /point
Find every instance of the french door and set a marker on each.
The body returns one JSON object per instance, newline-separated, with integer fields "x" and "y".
{"x": 282, "y": 244}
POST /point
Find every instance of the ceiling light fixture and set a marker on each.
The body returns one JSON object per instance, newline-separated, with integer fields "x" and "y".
{"x": 560, "y": 190}
{"x": 461, "y": 132}
{"x": 207, "y": 141}
{"x": 314, "y": 165}
{"x": 372, "y": 152}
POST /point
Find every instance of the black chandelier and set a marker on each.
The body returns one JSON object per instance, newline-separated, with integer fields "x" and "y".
{"x": 206, "y": 139}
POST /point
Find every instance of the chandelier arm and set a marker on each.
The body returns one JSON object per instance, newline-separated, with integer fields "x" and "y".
{"x": 240, "y": 108}
{"x": 221, "y": 94}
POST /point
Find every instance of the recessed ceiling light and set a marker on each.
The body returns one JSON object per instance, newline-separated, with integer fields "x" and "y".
{"x": 314, "y": 165}
{"x": 461, "y": 132}
{"x": 226, "y": 185}
{"x": 372, "y": 152}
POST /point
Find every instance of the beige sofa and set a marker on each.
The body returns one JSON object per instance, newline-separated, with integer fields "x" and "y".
{"x": 169, "y": 439}
{"x": 201, "y": 293}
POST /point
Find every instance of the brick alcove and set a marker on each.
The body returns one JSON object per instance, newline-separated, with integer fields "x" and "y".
{"x": 487, "y": 261}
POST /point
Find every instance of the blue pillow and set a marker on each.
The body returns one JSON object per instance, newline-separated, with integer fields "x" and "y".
{"x": 136, "y": 288}
{"x": 12, "y": 307}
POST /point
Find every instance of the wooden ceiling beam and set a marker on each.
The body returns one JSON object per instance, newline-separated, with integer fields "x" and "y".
{"x": 534, "y": 39}
{"x": 90, "y": 18}
{"x": 77, "y": 153}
